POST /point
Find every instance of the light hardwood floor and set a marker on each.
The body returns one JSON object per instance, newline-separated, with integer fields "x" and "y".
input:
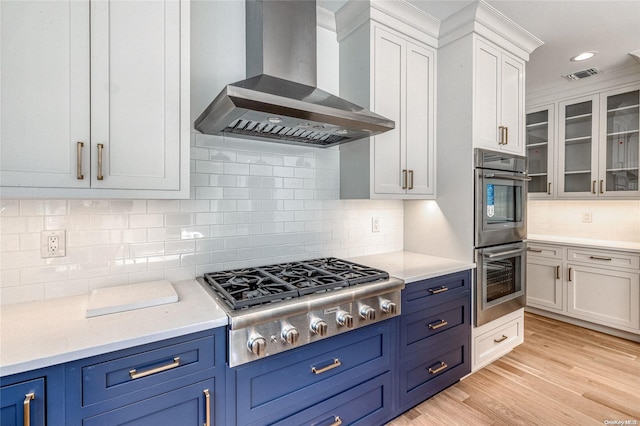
{"x": 560, "y": 375}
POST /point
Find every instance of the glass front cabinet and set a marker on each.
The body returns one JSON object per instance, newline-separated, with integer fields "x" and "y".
{"x": 540, "y": 151}
{"x": 598, "y": 152}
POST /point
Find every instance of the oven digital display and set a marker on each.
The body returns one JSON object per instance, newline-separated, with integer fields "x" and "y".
{"x": 490, "y": 200}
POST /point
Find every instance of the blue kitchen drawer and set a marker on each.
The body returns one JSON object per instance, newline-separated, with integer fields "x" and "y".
{"x": 418, "y": 328}
{"x": 281, "y": 385}
{"x": 441, "y": 363}
{"x": 366, "y": 404}
{"x": 103, "y": 383}
{"x": 426, "y": 293}
{"x": 184, "y": 406}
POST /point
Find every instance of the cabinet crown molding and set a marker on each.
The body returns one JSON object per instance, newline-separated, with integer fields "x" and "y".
{"x": 397, "y": 14}
{"x": 479, "y": 17}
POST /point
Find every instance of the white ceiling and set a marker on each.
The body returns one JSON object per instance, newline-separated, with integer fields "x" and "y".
{"x": 567, "y": 27}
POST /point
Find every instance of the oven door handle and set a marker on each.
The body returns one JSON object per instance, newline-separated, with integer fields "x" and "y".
{"x": 508, "y": 177}
{"x": 504, "y": 253}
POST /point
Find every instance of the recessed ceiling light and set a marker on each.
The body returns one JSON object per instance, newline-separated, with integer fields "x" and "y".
{"x": 584, "y": 56}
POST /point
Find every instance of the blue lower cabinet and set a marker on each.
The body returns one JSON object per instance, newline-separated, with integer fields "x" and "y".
{"x": 23, "y": 401}
{"x": 35, "y": 395}
{"x": 277, "y": 387}
{"x": 188, "y": 406}
{"x": 366, "y": 404}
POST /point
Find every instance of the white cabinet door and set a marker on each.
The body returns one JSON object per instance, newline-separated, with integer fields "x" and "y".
{"x": 607, "y": 297}
{"x": 578, "y": 147}
{"x": 498, "y": 99}
{"x": 135, "y": 94}
{"x": 420, "y": 129}
{"x": 389, "y": 87}
{"x": 544, "y": 283}
{"x": 44, "y": 107}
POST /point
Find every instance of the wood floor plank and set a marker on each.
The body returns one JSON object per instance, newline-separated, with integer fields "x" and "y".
{"x": 561, "y": 374}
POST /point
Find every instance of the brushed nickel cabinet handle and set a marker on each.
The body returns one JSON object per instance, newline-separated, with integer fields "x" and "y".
{"x": 336, "y": 363}
{"x": 534, "y": 250}
{"x": 502, "y": 339}
{"x": 438, "y": 290}
{"x": 79, "y": 147}
{"x": 600, "y": 258}
{"x": 100, "y": 149}
{"x": 26, "y": 408}
{"x": 207, "y": 404}
{"x": 438, "y": 369}
{"x": 549, "y": 188}
{"x": 558, "y": 272}
{"x": 410, "y": 179}
{"x": 336, "y": 421}
{"x": 501, "y": 128}
{"x": 506, "y": 135}
{"x": 593, "y": 187}
{"x": 139, "y": 374}
{"x": 570, "y": 275}
{"x": 435, "y": 326}
{"x": 404, "y": 179}
{"x": 601, "y": 186}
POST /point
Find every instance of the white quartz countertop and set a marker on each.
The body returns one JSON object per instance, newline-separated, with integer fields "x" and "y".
{"x": 411, "y": 266}
{"x": 586, "y": 242}
{"x": 41, "y": 334}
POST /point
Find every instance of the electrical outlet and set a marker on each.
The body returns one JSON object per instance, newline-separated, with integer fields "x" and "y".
{"x": 53, "y": 243}
{"x": 375, "y": 224}
{"x": 586, "y": 217}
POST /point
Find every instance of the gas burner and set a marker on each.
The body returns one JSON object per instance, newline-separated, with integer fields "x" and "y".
{"x": 353, "y": 272}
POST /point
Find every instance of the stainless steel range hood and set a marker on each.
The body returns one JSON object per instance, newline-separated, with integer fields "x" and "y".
{"x": 279, "y": 101}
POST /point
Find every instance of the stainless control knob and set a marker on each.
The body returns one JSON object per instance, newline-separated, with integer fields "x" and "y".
{"x": 345, "y": 319}
{"x": 319, "y": 327}
{"x": 388, "y": 307}
{"x": 367, "y": 312}
{"x": 290, "y": 335}
{"x": 257, "y": 345}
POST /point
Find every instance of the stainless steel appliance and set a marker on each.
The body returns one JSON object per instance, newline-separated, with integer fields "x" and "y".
{"x": 500, "y": 198}
{"x": 500, "y": 281}
{"x": 278, "y": 307}
{"x": 279, "y": 100}
{"x": 500, "y": 228}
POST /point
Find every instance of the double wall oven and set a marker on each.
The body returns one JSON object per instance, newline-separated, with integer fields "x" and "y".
{"x": 500, "y": 228}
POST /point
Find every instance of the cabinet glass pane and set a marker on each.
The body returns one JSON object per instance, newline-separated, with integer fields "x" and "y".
{"x": 577, "y": 146}
{"x": 623, "y": 122}
{"x": 537, "y": 149}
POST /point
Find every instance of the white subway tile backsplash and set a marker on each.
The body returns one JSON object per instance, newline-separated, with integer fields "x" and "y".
{"x": 252, "y": 203}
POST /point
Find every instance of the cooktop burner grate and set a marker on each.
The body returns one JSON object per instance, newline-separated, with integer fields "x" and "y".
{"x": 244, "y": 288}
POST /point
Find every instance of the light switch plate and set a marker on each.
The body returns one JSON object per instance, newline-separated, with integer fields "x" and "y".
{"x": 53, "y": 243}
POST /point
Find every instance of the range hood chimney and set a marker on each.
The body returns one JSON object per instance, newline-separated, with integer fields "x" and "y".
{"x": 279, "y": 101}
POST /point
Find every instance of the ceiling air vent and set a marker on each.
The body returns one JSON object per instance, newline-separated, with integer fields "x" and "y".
{"x": 579, "y": 75}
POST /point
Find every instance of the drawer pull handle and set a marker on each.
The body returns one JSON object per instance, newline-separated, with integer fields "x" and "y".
{"x": 534, "y": 250}
{"x": 436, "y": 326}
{"x": 100, "y": 149}
{"x": 207, "y": 404}
{"x": 336, "y": 363}
{"x": 137, "y": 375}
{"x": 600, "y": 258}
{"x": 502, "y": 339}
{"x": 438, "y": 290}
{"x": 410, "y": 179}
{"x": 337, "y": 421}
{"x": 404, "y": 179}
{"x": 558, "y": 272}
{"x": 26, "y": 409}
{"x": 79, "y": 174}
{"x": 438, "y": 369}
{"x": 570, "y": 279}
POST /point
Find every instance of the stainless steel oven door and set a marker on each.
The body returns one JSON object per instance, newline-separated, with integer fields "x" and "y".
{"x": 501, "y": 205}
{"x": 500, "y": 281}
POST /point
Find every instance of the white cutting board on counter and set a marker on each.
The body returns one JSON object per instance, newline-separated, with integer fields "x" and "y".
{"x": 109, "y": 300}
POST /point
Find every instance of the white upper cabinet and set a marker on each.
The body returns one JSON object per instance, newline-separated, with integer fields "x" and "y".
{"x": 499, "y": 99}
{"x": 388, "y": 66}
{"x": 540, "y": 146}
{"x": 598, "y": 153}
{"x": 106, "y": 111}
